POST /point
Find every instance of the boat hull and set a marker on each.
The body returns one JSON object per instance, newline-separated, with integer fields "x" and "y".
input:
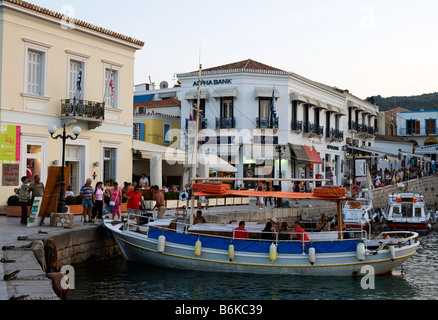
{"x": 406, "y": 226}
{"x": 143, "y": 249}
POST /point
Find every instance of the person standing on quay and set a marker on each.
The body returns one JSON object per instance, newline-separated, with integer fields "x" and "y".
{"x": 116, "y": 199}
{"x": 37, "y": 188}
{"x": 98, "y": 201}
{"x": 24, "y": 198}
{"x": 87, "y": 200}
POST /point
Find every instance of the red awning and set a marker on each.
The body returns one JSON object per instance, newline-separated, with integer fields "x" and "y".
{"x": 313, "y": 155}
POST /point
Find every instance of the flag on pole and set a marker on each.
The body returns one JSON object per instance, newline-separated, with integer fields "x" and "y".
{"x": 273, "y": 111}
{"x": 79, "y": 84}
{"x": 191, "y": 119}
{"x": 111, "y": 84}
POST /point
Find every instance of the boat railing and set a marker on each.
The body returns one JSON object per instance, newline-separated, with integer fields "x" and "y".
{"x": 397, "y": 239}
{"x": 275, "y": 237}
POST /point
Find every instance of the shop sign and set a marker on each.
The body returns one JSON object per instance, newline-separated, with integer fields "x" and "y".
{"x": 10, "y": 144}
{"x": 265, "y": 140}
{"x": 213, "y": 82}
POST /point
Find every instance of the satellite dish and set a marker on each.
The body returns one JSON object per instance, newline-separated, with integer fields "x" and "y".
{"x": 164, "y": 85}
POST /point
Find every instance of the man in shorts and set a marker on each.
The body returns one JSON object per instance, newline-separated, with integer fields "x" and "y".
{"x": 159, "y": 202}
{"x": 87, "y": 200}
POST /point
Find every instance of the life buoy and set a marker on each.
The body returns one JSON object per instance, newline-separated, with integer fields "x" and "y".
{"x": 355, "y": 189}
{"x": 183, "y": 196}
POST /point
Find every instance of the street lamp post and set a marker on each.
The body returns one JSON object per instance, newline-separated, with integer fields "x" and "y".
{"x": 280, "y": 150}
{"x": 76, "y": 131}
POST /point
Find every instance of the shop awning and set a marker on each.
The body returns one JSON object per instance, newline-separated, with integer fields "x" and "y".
{"x": 216, "y": 164}
{"x": 313, "y": 155}
{"x": 225, "y": 93}
{"x": 299, "y": 153}
{"x": 175, "y": 156}
{"x": 147, "y": 150}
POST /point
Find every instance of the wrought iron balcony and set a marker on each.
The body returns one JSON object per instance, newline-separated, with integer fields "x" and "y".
{"x": 93, "y": 112}
{"x": 418, "y": 131}
{"x": 296, "y": 126}
{"x": 335, "y": 134}
{"x": 313, "y": 129}
{"x": 266, "y": 123}
{"x": 225, "y": 123}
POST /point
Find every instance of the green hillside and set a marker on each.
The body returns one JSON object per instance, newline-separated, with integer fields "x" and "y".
{"x": 427, "y": 101}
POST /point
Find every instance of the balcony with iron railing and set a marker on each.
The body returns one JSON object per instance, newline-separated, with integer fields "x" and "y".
{"x": 313, "y": 129}
{"x": 225, "y": 123}
{"x": 418, "y": 131}
{"x": 335, "y": 134}
{"x": 266, "y": 123}
{"x": 73, "y": 110}
{"x": 296, "y": 126}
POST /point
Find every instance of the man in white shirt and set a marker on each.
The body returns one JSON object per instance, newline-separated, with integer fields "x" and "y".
{"x": 143, "y": 181}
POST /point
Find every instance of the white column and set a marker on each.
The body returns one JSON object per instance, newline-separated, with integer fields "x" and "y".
{"x": 156, "y": 171}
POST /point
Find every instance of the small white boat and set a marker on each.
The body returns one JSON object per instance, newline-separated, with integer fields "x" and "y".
{"x": 407, "y": 211}
{"x": 213, "y": 248}
{"x": 358, "y": 213}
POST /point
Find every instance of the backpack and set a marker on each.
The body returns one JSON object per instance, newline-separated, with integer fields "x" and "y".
{"x": 23, "y": 194}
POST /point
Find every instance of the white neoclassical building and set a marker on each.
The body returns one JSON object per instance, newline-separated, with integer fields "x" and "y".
{"x": 271, "y": 123}
{"x": 42, "y": 57}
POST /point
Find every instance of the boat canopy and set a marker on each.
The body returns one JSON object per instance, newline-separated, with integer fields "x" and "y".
{"x": 328, "y": 193}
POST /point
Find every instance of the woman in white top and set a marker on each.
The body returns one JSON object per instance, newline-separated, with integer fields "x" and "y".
{"x": 98, "y": 201}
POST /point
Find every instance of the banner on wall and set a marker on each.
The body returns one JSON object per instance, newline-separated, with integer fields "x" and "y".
{"x": 10, "y": 144}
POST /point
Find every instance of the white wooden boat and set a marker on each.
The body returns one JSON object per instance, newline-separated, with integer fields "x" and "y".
{"x": 213, "y": 248}
{"x": 407, "y": 211}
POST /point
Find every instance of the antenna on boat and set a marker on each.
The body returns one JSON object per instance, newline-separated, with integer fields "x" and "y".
{"x": 195, "y": 153}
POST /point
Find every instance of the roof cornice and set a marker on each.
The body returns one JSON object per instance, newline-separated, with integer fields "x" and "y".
{"x": 53, "y": 16}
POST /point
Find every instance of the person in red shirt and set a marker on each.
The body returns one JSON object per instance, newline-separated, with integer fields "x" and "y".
{"x": 135, "y": 201}
{"x": 299, "y": 233}
{"x": 240, "y": 233}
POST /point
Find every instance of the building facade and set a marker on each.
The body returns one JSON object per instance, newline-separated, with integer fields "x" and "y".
{"x": 56, "y": 71}
{"x": 271, "y": 123}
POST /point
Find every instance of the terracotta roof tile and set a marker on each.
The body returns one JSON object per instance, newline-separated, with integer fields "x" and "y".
{"x": 161, "y": 103}
{"x": 77, "y": 22}
{"x": 245, "y": 65}
{"x": 248, "y": 65}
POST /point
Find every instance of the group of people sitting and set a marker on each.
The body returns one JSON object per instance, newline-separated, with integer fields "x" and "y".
{"x": 268, "y": 233}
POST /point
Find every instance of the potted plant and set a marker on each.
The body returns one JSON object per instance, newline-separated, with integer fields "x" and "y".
{"x": 14, "y": 209}
{"x": 75, "y": 204}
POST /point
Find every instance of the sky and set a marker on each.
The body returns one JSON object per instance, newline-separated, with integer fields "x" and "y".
{"x": 382, "y": 47}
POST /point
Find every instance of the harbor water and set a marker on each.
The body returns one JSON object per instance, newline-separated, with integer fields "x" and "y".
{"x": 121, "y": 280}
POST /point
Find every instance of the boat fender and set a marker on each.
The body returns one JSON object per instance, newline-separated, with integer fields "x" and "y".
{"x": 161, "y": 244}
{"x": 273, "y": 253}
{"x": 231, "y": 252}
{"x": 360, "y": 251}
{"x": 312, "y": 256}
{"x": 198, "y": 248}
{"x": 392, "y": 252}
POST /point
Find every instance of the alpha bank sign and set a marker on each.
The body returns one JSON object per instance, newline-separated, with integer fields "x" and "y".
{"x": 213, "y": 82}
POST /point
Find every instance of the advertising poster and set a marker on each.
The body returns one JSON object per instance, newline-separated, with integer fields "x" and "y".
{"x": 10, "y": 144}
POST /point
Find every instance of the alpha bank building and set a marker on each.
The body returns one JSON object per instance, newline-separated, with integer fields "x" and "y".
{"x": 270, "y": 123}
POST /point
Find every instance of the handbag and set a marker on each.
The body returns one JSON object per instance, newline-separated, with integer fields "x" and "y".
{"x": 113, "y": 203}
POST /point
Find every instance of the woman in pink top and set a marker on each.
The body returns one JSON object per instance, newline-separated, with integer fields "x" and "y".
{"x": 98, "y": 202}
{"x": 116, "y": 196}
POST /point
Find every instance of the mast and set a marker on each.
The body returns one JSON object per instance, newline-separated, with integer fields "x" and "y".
{"x": 195, "y": 154}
